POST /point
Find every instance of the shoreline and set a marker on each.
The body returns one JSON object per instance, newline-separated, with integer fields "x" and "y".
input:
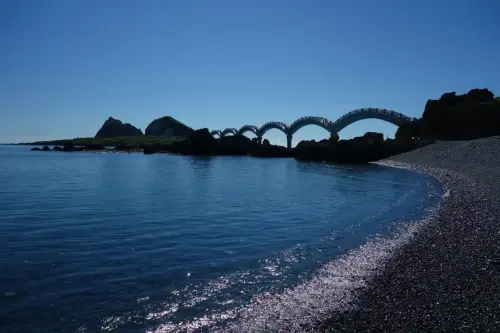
{"x": 447, "y": 279}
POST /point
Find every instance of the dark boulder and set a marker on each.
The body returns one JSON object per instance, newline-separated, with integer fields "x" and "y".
{"x": 457, "y": 117}
{"x": 46, "y": 148}
{"x": 57, "y": 148}
{"x": 271, "y": 151}
{"x": 94, "y": 147}
{"x": 68, "y": 147}
{"x": 235, "y": 145}
{"x": 373, "y": 136}
{"x": 200, "y": 142}
{"x": 364, "y": 149}
{"x": 114, "y": 128}
{"x": 156, "y": 148}
{"x": 168, "y": 126}
{"x": 35, "y": 149}
{"x": 129, "y": 147}
{"x": 266, "y": 142}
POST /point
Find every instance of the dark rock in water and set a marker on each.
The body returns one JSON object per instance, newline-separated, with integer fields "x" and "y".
{"x": 271, "y": 151}
{"x": 35, "y": 149}
{"x": 57, "y": 148}
{"x": 200, "y": 142}
{"x": 46, "y": 148}
{"x": 68, "y": 147}
{"x": 128, "y": 147}
{"x": 168, "y": 126}
{"x": 114, "y": 127}
{"x": 156, "y": 148}
{"x": 266, "y": 142}
{"x": 235, "y": 145}
{"x": 364, "y": 149}
{"x": 94, "y": 147}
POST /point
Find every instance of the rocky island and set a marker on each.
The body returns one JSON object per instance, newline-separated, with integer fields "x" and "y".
{"x": 115, "y": 128}
{"x": 451, "y": 117}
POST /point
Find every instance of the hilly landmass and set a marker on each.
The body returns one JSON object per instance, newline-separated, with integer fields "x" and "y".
{"x": 115, "y": 133}
{"x": 114, "y": 128}
{"x": 168, "y": 126}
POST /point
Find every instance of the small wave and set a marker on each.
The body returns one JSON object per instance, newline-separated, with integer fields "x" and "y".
{"x": 334, "y": 288}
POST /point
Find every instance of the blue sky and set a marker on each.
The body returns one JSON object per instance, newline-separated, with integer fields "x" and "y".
{"x": 66, "y": 66}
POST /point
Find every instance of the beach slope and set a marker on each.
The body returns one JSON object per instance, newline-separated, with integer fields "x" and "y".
{"x": 448, "y": 278}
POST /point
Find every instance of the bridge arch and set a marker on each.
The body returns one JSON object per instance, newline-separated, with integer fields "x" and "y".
{"x": 228, "y": 131}
{"x": 349, "y": 118}
{"x": 272, "y": 124}
{"x": 216, "y": 132}
{"x": 304, "y": 121}
{"x": 248, "y": 128}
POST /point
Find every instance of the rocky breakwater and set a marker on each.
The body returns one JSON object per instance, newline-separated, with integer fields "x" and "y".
{"x": 71, "y": 148}
{"x": 201, "y": 142}
{"x": 368, "y": 148}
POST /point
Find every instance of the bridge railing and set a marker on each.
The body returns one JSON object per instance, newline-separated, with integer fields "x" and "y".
{"x": 337, "y": 125}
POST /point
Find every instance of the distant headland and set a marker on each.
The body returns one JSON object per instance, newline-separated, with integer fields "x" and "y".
{"x": 451, "y": 117}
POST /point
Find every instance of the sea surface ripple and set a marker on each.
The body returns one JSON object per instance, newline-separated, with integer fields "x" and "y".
{"x": 164, "y": 243}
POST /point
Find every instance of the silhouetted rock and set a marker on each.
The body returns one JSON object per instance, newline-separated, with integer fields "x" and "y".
{"x": 57, "y": 148}
{"x": 129, "y": 147}
{"x": 114, "y": 128}
{"x": 157, "y": 148}
{"x": 373, "y": 136}
{"x": 35, "y": 149}
{"x": 200, "y": 142}
{"x": 271, "y": 151}
{"x": 168, "y": 126}
{"x": 456, "y": 117}
{"x": 94, "y": 147}
{"x": 235, "y": 145}
{"x": 367, "y": 148}
{"x": 266, "y": 142}
{"x": 46, "y": 148}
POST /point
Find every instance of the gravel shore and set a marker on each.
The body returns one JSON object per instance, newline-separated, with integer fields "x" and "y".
{"x": 448, "y": 278}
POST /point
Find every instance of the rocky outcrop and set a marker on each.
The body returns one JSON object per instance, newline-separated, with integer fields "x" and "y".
{"x": 367, "y": 148}
{"x": 168, "y": 126}
{"x": 456, "y": 117}
{"x": 114, "y": 128}
{"x": 200, "y": 142}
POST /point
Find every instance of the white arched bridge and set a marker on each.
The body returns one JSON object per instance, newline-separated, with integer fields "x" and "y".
{"x": 336, "y": 126}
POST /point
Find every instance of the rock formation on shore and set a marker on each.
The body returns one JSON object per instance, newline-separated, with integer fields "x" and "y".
{"x": 168, "y": 126}
{"x": 114, "y": 128}
{"x": 456, "y": 117}
{"x": 367, "y": 148}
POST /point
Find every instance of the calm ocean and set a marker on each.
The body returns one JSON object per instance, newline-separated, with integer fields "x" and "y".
{"x": 95, "y": 242}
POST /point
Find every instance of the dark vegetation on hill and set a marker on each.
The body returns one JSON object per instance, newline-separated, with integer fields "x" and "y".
{"x": 114, "y": 127}
{"x": 168, "y": 126}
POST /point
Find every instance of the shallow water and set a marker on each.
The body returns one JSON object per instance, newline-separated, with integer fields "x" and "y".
{"x": 159, "y": 243}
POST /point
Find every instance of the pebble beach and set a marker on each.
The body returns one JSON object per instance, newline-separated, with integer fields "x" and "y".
{"x": 447, "y": 279}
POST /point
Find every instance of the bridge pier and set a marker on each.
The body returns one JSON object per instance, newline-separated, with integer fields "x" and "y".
{"x": 259, "y": 140}
{"x": 289, "y": 141}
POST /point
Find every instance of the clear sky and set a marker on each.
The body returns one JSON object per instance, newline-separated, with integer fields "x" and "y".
{"x": 66, "y": 66}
